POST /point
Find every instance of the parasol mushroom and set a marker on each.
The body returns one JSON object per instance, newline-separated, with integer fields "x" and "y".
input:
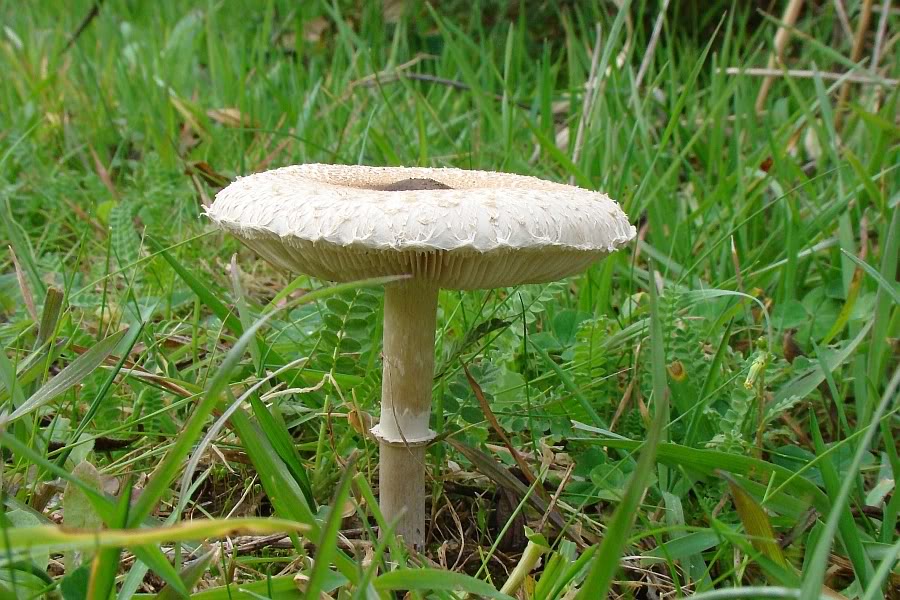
{"x": 444, "y": 228}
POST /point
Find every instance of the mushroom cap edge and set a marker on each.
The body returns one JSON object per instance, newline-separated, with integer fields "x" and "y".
{"x": 488, "y": 230}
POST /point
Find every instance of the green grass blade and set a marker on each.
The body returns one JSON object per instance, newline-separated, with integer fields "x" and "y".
{"x": 53, "y": 306}
{"x": 190, "y": 575}
{"x": 59, "y": 538}
{"x": 282, "y": 442}
{"x": 134, "y": 333}
{"x": 106, "y": 563}
{"x": 814, "y": 576}
{"x": 428, "y": 579}
{"x": 167, "y": 470}
{"x": 882, "y": 573}
{"x": 70, "y": 376}
{"x": 878, "y": 349}
{"x": 23, "y": 250}
{"x": 326, "y": 545}
{"x": 207, "y": 297}
{"x": 756, "y": 523}
{"x": 892, "y": 290}
{"x": 570, "y": 386}
{"x": 849, "y": 535}
{"x": 605, "y": 563}
{"x": 286, "y": 496}
{"x": 280, "y": 587}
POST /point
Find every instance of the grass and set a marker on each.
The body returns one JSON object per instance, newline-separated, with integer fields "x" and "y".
{"x": 148, "y": 381}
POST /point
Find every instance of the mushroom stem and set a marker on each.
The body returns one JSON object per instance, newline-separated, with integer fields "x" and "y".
{"x": 410, "y": 310}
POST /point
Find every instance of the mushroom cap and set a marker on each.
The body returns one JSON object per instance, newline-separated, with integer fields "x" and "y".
{"x": 456, "y": 228}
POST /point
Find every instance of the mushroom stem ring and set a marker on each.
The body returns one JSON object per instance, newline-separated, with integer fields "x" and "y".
{"x": 410, "y": 309}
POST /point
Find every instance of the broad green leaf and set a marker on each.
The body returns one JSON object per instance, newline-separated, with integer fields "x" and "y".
{"x": 756, "y": 522}
{"x": 428, "y": 579}
{"x": 278, "y": 588}
{"x": 19, "y": 519}
{"x": 102, "y": 504}
{"x": 74, "y": 586}
{"x": 683, "y": 547}
{"x": 78, "y": 511}
{"x": 22, "y": 580}
{"x": 893, "y": 290}
{"x": 190, "y": 575}
{"x": 50, "y": 315}
{"x": 72, "y": 375}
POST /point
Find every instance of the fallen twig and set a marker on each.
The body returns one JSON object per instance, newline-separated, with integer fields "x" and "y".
{"x": 651, "y": 47}
{"x": 810, "y": 74}
{"x": 781, "y": 39}
{"x": 590, "y": 92}
{"x": 881, "y": 34}
{"x": 856, "y": 53}
{"x": 843, "y": 19}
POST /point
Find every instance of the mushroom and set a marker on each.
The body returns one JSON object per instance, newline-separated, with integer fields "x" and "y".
{"x": 443, "y": 228}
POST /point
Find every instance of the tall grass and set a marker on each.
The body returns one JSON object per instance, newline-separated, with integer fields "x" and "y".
{"x": 746, "y": 343}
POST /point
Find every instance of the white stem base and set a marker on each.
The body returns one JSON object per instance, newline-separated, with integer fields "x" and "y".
{"x": 402, "y": 490}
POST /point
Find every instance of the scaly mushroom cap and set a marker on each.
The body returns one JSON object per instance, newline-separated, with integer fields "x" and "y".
{"x": 456, "y": 228}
